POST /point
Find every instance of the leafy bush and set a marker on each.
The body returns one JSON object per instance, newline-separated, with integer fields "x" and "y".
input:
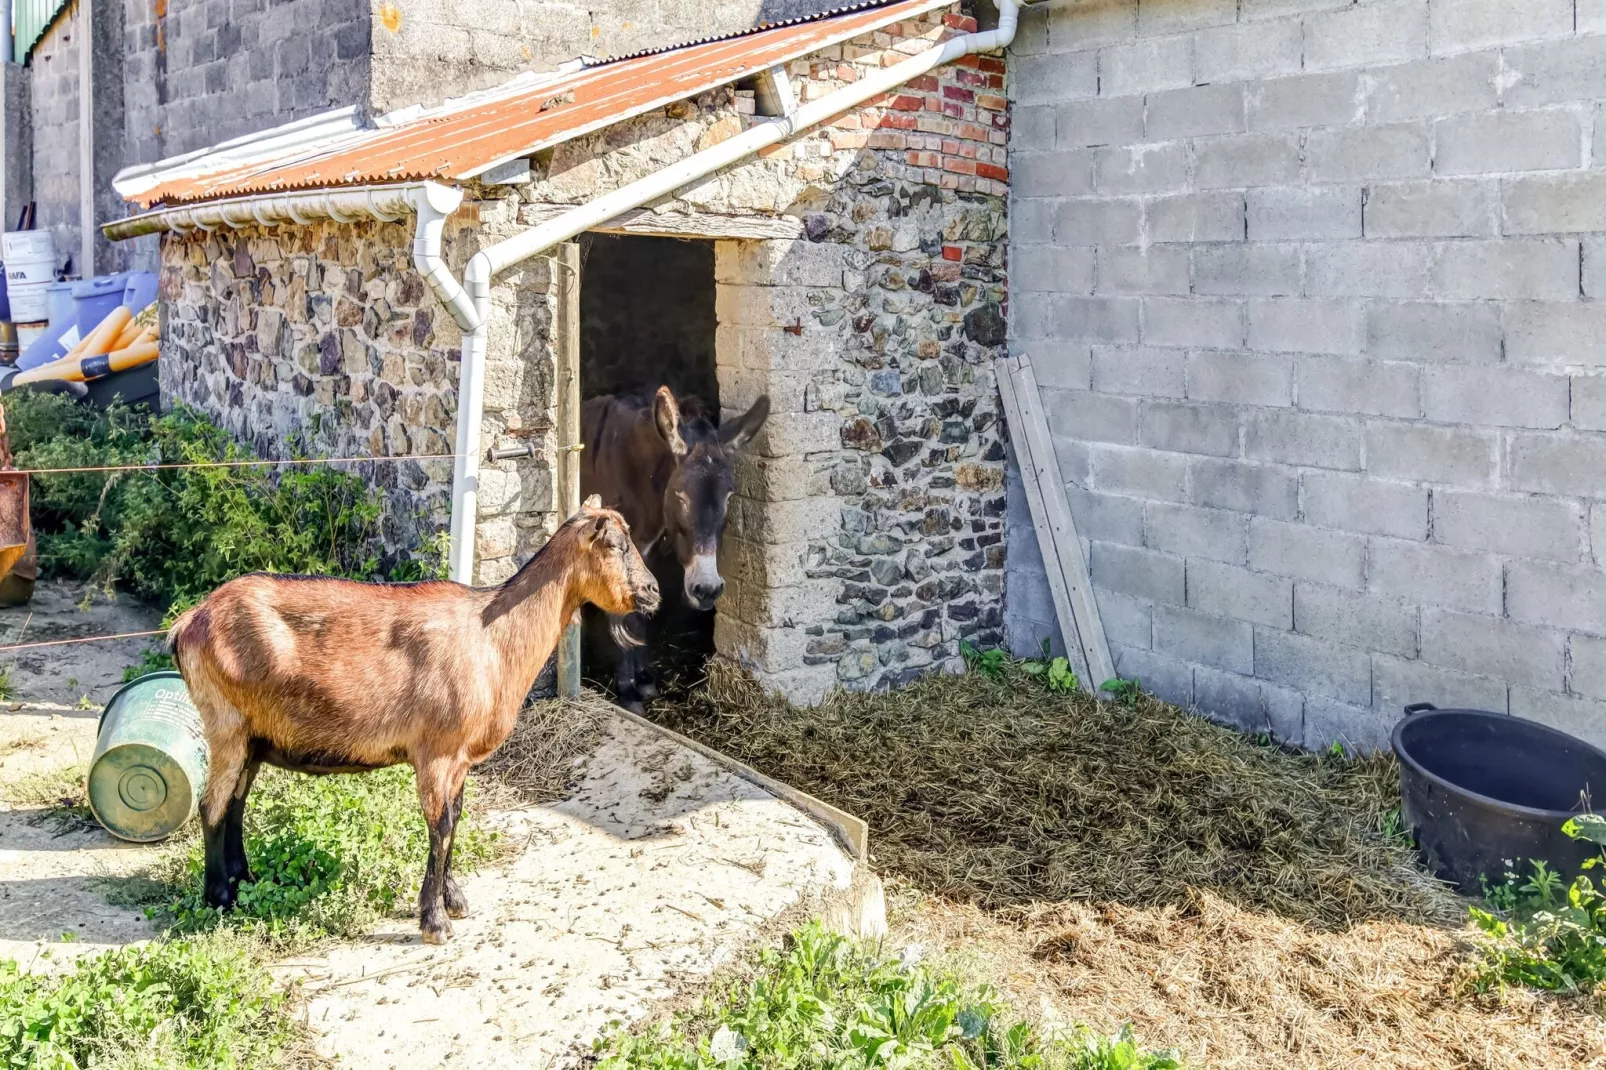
{"x": 173, "y": 535}
{"x": 1544, "y": 934}
{"x": 330, "y": 855}
{"x": 825, "y": 1001}
{"x": 190, "y": 1003}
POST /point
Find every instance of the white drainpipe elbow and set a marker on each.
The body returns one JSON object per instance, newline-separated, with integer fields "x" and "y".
{"x": 470, "y": 411}
{"x": 433, "y": 202}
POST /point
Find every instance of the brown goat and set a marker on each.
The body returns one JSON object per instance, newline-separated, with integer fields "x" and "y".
{"x": 335, "y": 676}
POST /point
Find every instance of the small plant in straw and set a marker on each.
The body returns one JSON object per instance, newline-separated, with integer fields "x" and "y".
{"x": 1543, "y": 932}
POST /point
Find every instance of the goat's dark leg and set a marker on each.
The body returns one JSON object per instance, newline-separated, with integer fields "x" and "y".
{"x": 439, "y": 780}
{"x": 235, "y": 864}
{"x": 451, "y": 895}
{"x": 227, "y": 760}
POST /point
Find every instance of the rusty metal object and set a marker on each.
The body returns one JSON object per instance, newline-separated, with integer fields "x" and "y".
{"x": 454, "y": 144}
{"x": 16, "y": 530}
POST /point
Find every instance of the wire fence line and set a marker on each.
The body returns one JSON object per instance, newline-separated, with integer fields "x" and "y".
{"x": 252, "y": 463}
{"x": 159, "y": 466}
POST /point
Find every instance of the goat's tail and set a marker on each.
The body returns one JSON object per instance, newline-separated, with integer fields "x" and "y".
{"x": 179, "y": 636}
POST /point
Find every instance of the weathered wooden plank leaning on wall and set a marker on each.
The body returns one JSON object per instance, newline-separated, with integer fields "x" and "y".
{"x": 1074, "y": 604}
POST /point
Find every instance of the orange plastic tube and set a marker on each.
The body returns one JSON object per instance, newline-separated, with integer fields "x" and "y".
{"x": 105, "y": 333}
{"x": 90, "y": 366}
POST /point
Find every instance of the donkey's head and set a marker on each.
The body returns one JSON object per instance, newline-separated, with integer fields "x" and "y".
{"x": 613, "y": 575}
{"x": 700, "y": 487}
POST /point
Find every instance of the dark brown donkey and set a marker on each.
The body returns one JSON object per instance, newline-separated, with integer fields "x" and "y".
{"x": 670, "y": 472}
{"x": 334, "y": 676}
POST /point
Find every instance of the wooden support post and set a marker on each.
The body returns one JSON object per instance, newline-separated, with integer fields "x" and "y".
{"x": 1068, "y": 581}
{"x": 566, "y": 350}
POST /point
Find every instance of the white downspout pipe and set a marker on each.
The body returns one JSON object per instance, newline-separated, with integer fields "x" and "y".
{"x": 537, "y": 240}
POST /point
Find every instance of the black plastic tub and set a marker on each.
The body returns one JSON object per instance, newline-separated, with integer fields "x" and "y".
{"x": 1484, "y": 793}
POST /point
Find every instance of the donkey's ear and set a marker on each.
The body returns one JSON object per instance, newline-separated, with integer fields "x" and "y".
{"x": 739, "y": 433}
{"x": 593, "y": 502}
{"x": 666, "y": 413}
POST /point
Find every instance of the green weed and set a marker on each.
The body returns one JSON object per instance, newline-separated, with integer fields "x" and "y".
{"x": 1055, "y": 672}
{"x": 206, "y": 1002}
{"x": 1543, "y": 932}
{"x": 152, "y": 660}
{"x": 990, "y": 663}
{"x": 330, "y": 856}
{"x": 825, "y": 1001}
{"x": 1124, "y": 691}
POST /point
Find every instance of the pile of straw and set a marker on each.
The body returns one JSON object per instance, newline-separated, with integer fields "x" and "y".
{"x": 1002, "y": 794}
{"x": 545, "y": 755}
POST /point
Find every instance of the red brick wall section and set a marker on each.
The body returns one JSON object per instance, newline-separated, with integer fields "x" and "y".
{"x": 951, "y": 125}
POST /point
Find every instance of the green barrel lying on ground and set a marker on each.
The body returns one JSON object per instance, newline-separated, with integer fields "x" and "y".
{"x": 150, "y": 759}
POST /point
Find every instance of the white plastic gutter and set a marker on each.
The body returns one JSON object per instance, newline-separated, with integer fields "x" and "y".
{"x": 346, "y": 205}
{"x": 469, "y": 301}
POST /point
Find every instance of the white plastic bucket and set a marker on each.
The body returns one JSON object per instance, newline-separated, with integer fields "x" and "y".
{"x": 30, "y": 262}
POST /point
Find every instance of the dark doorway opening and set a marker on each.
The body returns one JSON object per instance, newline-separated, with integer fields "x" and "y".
{"x": 647, "y": 320}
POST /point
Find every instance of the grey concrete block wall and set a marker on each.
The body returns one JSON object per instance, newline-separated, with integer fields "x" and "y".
{"x": 430, "y": 48}
{"x": 197, "y": 72}
{"x": 1315, "y": 293}
{"x": 53, "y": 72}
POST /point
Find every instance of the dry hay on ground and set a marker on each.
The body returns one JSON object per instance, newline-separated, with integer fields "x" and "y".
{"x": 1236, "y": 901}
{"x": 1004, "y": 794}
{"x": 545, "y": 755}
{"x": 1233, "y": 989}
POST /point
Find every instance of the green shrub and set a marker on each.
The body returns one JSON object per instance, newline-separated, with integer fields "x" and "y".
{"x": 1542, "y": 933}
{"x": 206, "y": 1002}
{"x": 330, "y": 855}
{"x": 825, "y": 1001}
{"x": 172, "y": 535}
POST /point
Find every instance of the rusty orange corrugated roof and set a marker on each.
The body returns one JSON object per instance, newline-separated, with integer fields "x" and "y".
{"x": 459, "y": 143}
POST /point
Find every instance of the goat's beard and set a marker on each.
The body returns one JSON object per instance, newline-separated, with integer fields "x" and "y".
{"x": 620, "y": 629}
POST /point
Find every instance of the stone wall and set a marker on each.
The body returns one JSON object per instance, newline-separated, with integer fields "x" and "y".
{"x": 319, "y": 340}
{"x": 865, "y": 539}
{"x": 1314, "y": 293}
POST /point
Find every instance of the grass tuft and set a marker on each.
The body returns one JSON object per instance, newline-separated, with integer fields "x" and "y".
{"x": 825, "y": 1001}
{"x": 331, "y": 855}
{"x": 202, "y": 1002}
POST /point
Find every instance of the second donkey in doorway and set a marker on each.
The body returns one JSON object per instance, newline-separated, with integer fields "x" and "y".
{"x": 669, "y": 472}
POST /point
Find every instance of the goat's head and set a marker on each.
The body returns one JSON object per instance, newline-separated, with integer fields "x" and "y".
{"x": 612, "y": 574}
{"x": 699, "y": 491}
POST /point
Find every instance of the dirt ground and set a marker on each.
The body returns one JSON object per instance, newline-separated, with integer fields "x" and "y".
{"x": 659, "y": 868}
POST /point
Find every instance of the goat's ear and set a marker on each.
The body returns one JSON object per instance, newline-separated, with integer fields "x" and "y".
{"x": 666, "y": 413}
{"x": 599, "y": 528}
{"x": 739, "y": 433}
{"x": 593, "y": 502}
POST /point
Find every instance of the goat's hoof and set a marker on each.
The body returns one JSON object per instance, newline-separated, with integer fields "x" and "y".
{"x": 647, "y": 689}
{"x": 436, "y": 934}
{"x": 456, "y": 902}
{"x": 635, "y": 706}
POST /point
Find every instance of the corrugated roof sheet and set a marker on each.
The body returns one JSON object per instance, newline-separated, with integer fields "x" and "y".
{"x": 457, "y": 143}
